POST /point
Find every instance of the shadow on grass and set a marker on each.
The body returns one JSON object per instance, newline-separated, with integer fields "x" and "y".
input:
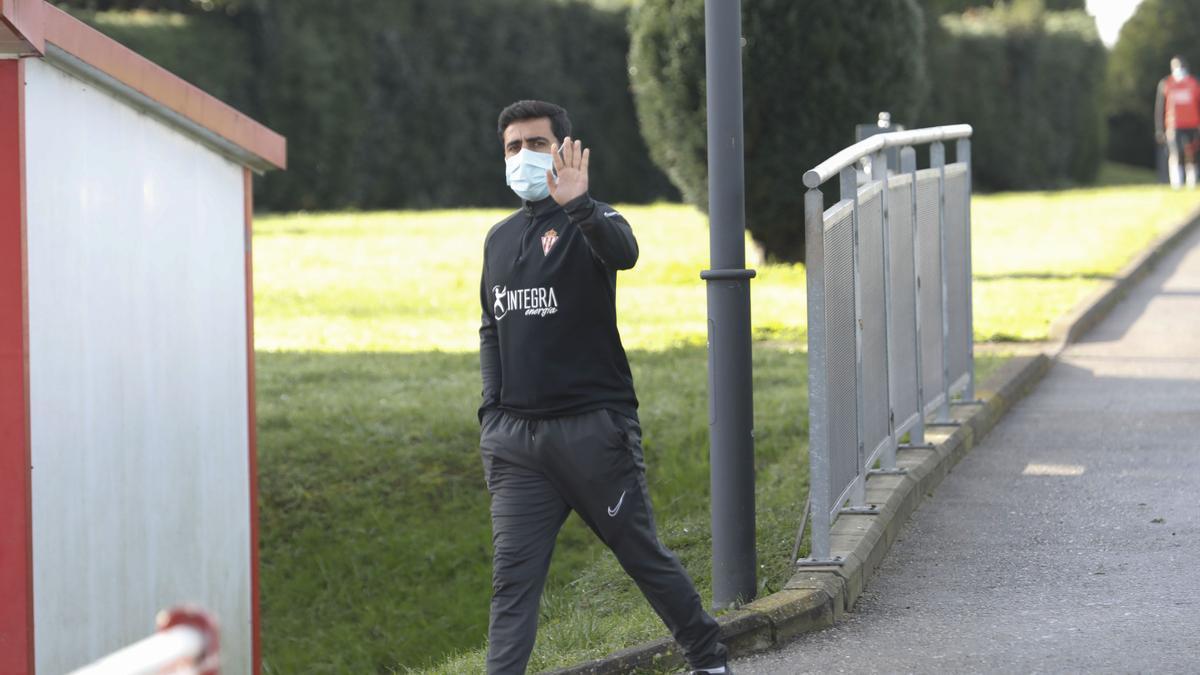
{"x": 1044, "y": 276}
{"x": 374, "y": 514}
{"x": 375, "y": 537}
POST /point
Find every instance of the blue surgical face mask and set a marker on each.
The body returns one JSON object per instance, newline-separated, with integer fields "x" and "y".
{"x": 1179, "y": 73}
{"x": 525, "y": 173}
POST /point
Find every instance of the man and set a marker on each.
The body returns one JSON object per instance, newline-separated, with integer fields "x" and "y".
{"x": 1177, "y": 107}
{"x": 559, "y": 415}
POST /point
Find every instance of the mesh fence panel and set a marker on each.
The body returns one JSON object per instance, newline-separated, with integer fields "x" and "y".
{"x": 902, "y": 351}
{"x": 841, "y": 350}
{"x": 957, "y": 281}
{"x": 896, "y": 288}
{"x": 930, "y": 291}
{"x": 874, "y": 333}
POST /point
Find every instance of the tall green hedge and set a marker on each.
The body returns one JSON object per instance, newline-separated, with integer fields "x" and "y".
{"x": 393, "y": 104}
{"x": 1031, "y": 83}
{"x": 208, "y": 49}
{"x": 812, "y": 69}
{"x": 1158, "y": 30}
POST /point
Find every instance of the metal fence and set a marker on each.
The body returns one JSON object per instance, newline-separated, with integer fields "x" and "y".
{"x": 890, "y": 343}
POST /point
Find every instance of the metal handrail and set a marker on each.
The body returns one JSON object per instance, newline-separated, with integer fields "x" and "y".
{"x": 865, "y": 148}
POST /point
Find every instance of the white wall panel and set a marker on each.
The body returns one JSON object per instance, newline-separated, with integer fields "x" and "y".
{"x": 138, "y": 387}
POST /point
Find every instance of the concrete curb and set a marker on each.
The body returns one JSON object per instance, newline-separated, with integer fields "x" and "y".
{"x": 817, "y": 597}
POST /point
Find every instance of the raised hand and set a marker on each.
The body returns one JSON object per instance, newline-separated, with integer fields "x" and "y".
{"x": 572, "y": 168}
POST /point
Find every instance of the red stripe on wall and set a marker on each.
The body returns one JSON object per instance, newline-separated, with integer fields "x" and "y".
{"x": 16, "y": 534}
{"x": 255, "y": 617}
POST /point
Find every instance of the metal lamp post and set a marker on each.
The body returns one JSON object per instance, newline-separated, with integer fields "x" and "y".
{"x": 731, "y": 403}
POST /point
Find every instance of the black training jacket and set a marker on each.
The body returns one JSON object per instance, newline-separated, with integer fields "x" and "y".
{"x": 548, "y": 341}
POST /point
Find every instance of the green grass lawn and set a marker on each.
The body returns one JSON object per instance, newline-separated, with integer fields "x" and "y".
{"x": 409, "y": 281}
{"x": 1037, "y": 254}
{"x": 375, "y": 534}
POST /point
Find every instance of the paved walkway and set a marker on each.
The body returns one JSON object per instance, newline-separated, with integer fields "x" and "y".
{"x": 1069, "y": 540}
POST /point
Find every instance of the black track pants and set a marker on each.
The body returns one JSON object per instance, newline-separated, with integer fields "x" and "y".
{"x": 537, "y": 472}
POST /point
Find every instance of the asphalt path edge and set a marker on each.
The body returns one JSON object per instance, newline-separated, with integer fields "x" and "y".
{"x": 817, "y": 597}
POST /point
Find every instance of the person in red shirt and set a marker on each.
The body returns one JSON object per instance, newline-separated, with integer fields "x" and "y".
{"x": 1177, "y": 120}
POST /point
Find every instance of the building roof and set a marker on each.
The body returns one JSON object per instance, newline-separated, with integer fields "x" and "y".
{"x": 35, "y": 28}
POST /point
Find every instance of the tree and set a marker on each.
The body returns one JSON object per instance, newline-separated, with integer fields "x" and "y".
{"x": 1031, "y": 84}
{"x": 812, "y": 69}
{"x": 1158, "y": 30}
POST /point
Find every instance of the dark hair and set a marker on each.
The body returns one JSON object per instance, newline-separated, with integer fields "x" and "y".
{"x": 560, "y": 124}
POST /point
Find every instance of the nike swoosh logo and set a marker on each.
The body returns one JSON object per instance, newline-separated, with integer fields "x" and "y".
{"x": 612, "y": 510}
{"x": 610, "y": 214}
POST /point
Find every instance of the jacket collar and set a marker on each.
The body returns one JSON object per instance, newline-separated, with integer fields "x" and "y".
{"x": 541, "y": 207}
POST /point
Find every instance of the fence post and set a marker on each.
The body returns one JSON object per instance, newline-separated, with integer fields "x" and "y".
{"x": 963, "y": 154}
{"x": 848, "y": 178}
{"x": 730, "y": 395}
{"x": 820, "y": 491}
{"x": 879, "y": 172}
{"x": 908, "y": 164}
{"x": 937, "y": 159}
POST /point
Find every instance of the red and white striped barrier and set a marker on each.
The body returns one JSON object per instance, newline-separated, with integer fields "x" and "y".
{"x": 187, "y": 643}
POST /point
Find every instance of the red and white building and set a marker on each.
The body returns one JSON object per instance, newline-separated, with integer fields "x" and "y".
{"x": 127, "y": 442}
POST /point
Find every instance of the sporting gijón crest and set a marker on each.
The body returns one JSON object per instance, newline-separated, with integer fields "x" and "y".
{"x": 548, "y": 241}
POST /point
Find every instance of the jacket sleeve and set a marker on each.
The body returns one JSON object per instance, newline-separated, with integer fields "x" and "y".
{"x": 489, "y": 349}
{"x": 606, "y": 231}
{"x": 1159, "y": 104}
